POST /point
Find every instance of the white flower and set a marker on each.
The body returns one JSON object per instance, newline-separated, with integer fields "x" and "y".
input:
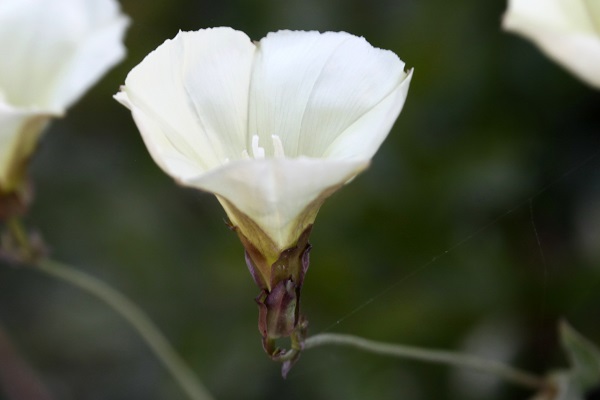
{"x": 52, "y": 51}
{"x": 568, "y": 31}
{"x": 270, "y": 127}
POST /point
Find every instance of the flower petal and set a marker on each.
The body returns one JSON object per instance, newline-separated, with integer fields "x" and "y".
{"x": 365, "y": 135}
{"x": 100, "y": 49}
{"x": 568, "y": 31}
{"x": 274, "y": 193}
{"x": 159, "y": 143}
{"x": 192, "y": 93}
{"x": 309, "y": 87}
{"x": 57, "y": 49}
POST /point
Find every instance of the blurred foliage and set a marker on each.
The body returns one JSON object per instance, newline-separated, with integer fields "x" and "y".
{"x": 476, "y": 228}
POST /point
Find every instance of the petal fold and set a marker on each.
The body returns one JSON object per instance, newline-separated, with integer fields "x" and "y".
{"x": 276, "y": 193}
{"x": 281, "y": 195}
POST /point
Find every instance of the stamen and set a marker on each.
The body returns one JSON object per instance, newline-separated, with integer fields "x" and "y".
{"x": 257, "y": 151}
{"x": 277, "y": 147}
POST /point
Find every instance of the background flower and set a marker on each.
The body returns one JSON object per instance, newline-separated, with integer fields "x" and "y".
{"x": 568, "y": 31}
{"x": 52, "y": 52}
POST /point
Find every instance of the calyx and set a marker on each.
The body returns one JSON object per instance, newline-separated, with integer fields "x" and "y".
{"x": 279, "y": 299}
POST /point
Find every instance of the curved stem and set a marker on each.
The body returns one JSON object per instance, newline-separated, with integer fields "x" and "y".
{"x": 499, "y": 369}
{"x": 138, "y": 320}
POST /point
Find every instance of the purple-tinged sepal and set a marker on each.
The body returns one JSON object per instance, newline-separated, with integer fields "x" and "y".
{"x": 279, "y": 300}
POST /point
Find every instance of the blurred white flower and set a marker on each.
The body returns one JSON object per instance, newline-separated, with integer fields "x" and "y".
{"x": 270, "y": 127}
{"x": 568, "y": 31}
{"x": 52, "y": 51}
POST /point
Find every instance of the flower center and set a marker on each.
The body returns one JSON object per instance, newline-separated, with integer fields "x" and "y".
{"x": 258, "y": 153}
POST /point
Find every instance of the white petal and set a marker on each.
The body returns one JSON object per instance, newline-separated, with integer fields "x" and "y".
{"x": 568, "y": 31}
{"x": 362, "y": 139}
{"x": 309, "y": 87}
{"x": 99, "y": 50}
{"x": 159, "y": 144}
{"x": 54, "y": 50}
{"x": 19, "y": 133}
{"x": 193, "y": 91}
{"x": 275, "y": 192}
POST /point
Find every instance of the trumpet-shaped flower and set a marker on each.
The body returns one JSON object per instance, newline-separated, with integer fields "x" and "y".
{"x": 52, "y": 52}
{"x": 568, "y": 31}
{"x": 272, "y": 128}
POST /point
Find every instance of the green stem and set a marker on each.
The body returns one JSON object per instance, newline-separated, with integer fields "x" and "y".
{"x": 121, "y": 304}
{"x": 136, "y": 317}
{"x": 499, "y": 369}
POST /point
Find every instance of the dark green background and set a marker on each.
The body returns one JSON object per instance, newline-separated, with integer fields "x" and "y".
{"x": 433, "y": 246}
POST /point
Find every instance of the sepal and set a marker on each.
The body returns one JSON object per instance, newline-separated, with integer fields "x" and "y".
{"x": 279, "y": 300}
